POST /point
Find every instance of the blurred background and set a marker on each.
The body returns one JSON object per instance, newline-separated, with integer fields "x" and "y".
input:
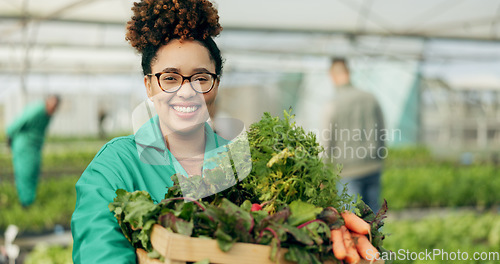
{"x": 434, "y": 66}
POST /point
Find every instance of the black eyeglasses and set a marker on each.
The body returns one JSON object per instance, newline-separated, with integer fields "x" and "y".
{"x": 171, "y": 82}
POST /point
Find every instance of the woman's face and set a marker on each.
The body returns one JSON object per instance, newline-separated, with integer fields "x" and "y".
{"x": 184, "y": 111}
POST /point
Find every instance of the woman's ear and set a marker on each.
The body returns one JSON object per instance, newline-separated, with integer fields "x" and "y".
{"x": 149, "y": 87}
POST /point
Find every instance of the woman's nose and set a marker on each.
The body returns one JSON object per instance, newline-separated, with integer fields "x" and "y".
{"x": 186, "y": 91}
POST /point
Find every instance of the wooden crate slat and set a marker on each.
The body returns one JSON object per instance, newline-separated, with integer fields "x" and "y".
{"x": 142, "y": 257}
{"x": 180, "y": 247}
{"x": 177, "y": 249}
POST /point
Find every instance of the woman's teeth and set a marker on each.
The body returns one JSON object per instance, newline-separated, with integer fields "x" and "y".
{"x": 184, "y": 109}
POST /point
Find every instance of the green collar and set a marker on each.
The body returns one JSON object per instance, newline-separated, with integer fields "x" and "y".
{"x": 151, "y": 143}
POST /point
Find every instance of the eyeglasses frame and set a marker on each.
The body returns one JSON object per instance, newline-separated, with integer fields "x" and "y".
{"x": 188, "y": 78}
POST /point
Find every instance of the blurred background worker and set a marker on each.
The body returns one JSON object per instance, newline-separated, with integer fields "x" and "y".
{"x": 357, "y": 138}
{"x": 25, "y": 137}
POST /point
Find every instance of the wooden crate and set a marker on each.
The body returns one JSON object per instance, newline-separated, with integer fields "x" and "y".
{"x": 179, "y": 249}
{"x": 142, "y": 257}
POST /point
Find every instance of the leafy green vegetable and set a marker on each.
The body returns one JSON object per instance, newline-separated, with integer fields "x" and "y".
{"x": 331, "y": 217}
{"x": 303, "y": 212}
{"x": 224, "y": 240}
{"x": 135, "y": 211}
{"x": 300, "y": 256}
{"x": 375, "y": 220}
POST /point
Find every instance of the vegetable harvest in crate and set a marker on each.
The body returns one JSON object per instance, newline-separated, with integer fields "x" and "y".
{"x": 288, "y": 200}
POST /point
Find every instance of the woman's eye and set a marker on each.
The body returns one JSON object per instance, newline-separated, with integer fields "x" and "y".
{"x": 169, "y": 78}
{"x": 201, "y": 79}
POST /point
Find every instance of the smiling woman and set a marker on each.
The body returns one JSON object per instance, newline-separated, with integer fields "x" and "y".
{"x": 183, "y": 106}
{"x": 182, "y": 66}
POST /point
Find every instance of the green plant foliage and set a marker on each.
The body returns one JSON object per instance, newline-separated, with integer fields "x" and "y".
{"x": 71, "y": 160}
{"x": 300, "y": 227}
{"x": 54, "y": 204}
{"x": 441, "y": 185}
{"x": 45, "y": 254}
{"x": 468, "y": 232}
{"x": 410, "y": 156}
{"x": 52, "y": 163}
{"x": 286, "y": 165}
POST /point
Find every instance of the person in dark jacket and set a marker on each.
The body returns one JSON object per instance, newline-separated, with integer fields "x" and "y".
{"x": 358, "y": 133}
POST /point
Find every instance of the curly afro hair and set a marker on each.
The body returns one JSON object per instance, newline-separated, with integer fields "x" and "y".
{"x": 156, "y": 22}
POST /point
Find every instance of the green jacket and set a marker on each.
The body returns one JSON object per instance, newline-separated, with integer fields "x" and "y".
{"x": 135, "y": 162}
{"x": 27, "y": 134}
{"x": 29, "y": 129}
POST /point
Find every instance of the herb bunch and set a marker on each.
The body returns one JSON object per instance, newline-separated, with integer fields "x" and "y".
{"x": 286, "y": 166}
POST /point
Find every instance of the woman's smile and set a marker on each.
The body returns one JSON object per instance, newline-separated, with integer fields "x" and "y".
{"x": 185, "y": 110}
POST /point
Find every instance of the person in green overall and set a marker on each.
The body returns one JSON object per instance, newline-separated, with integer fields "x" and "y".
{"x": 182, "y": 66}
{"x": 25, "y": 138}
